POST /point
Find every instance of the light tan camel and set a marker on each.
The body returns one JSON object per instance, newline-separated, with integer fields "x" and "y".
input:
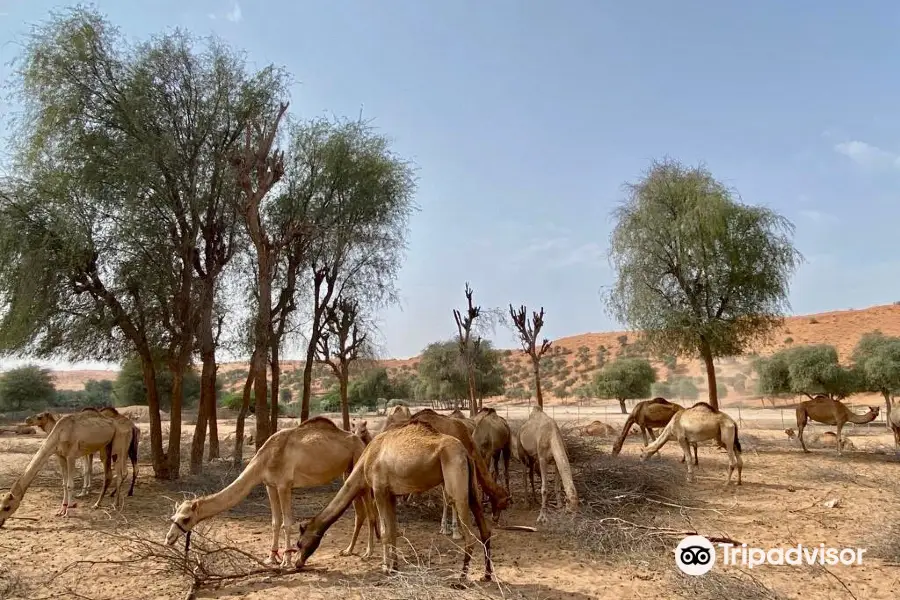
{"x": 360, "y": 428}
{"x": 408, "y": 459}
{"x": 537, "y": 442}
{"x": 498, "y": 497}
{"x": 397, "y": 416}
{"x": 894, "y": 422}
{"x": 72, "y": 437}
{"x": 316, "y": 452}
{"x": 827, "y": 411}
{"x": 699, "y": 423}
{"x": 492, "y": 440}
{"x": 648, "y": 414}
{"x": 827, "y": 439}
{"x": 46, "y": 420}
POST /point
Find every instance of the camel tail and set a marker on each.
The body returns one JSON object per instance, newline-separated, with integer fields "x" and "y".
{"x": 737, "y": 442}
{"x": 133, "y": 456}
{"x": 801, "y": 416}
{"x": 617, "y": 447}
{"x": 663, "y": 437}
{"x": 474, "y": 502}
{"x": 563, "y": 468}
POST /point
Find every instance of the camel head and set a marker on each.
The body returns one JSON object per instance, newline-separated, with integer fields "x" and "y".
{"x": 8, "y": 505}
{"x": 307, "y": 544}
{"x": 360, "y": 428}
{"x": 183, "y": 521}
{"x": 39, "y": 420}
{"x": 875, "y": 410}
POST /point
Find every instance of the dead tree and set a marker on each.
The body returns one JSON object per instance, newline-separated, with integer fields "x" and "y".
{"x": 468, "y": 344}
{"x": 528, "y": 331}
{"x": 341, "y": 324}
{"x": 259, "y": 168}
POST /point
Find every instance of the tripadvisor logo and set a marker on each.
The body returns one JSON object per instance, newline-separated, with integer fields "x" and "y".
{"x": 696, "y": 555}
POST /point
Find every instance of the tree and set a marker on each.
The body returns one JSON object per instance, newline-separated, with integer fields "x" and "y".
{"x": 28, "y": 386}
{"x": 528, "y": 332}
{"x": 129, "y": 388}
{"x": 698, "y": 272}
{"x": 624, "y": 379}
{"x": 877, "y": 358}
{"x": 99, "y": 393}
{"x": 468, "y": 344}
{"x": 807, "y": 370}
{"x": 442, "y": 375}
{"x": 341, "y": 343}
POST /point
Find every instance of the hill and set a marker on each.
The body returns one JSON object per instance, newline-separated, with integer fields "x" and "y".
{"x": 574, "y": 360}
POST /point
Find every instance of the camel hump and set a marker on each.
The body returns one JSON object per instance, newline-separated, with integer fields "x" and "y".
{"x": 487, "y": 410}
{"x": 89, "y": 409}
{"x": 319, "y": 422}
{"x": 707, "y": 405}
{"x": 424, "y": 425}
{"x": 424, "y": 411}
{"x": 659, "y": 400}
{"x": 110, "y": 410}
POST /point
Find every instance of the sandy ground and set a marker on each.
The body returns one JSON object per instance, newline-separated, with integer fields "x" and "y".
{"x": 779, "y": 504}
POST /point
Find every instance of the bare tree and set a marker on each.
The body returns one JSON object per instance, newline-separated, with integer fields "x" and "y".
{"x": 468, "y": 344}
{"x": 528, "y": 331}
{"x": 259, "y": 168}
{"x": 341, "y": 342}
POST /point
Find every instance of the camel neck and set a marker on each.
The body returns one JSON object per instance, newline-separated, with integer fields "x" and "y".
{"x": 861, "y": 419}
{"x": 34, "y": 465}
{"x": 232, "y": 494}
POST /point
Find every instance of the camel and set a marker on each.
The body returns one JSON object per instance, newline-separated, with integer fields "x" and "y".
{"x": 599, "y": 429}
{"x": 894, "y": 422}
{"x": 827, "y": 439}
{"x": 699, "y": 423}
{"x": 314, "y": 453}
{"x": 46, "y": 420}
{"x": 498, "y": 497}
{"x": 408, "y": 459}
{"x": 398, "y": 415}
{"x": 73, "y": 436}
{"x": 360, "y": 428}
{"x": 492, "y": 440}
{"x": 648, "y": 414}
{"x": 828, "y": 411}
{"x": 538, "y": 441}
{"x": 469, "y": 423}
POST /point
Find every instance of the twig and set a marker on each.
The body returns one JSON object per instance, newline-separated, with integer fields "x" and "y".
{"x": 839, "y": 580}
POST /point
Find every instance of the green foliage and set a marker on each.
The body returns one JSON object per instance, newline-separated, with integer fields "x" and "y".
{"x": 129, "y": 386}
{"x": 624, "y": 379}
{"x": 99, "y": 393}
{"x": 29, "y": 386}
{"x": 739, "y": 383}
{"x": 685, "y": 388}
{"x": 810, "y": 369}
{"x": 695, "y": 267}
{"x": 877, "y": 357}
{"x": 231, "y": 401}
{"x": 442, "y": 374}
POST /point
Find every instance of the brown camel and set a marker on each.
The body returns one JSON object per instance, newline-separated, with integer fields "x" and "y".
{"x": 699, "y": 423}
{"x": 492, "y": 440}
{"x": 537, "y": 442}
{"x": 408, "y": 459}
{"x": 46, "y": 420}
{"x": 648, "y": 414}
{"x": 469, "y": 423}
{"x": 72, "y": 437}
{"x": 498, "y": 497}
{"x": 827, "y": 411}
{"x": 315, "y": 452}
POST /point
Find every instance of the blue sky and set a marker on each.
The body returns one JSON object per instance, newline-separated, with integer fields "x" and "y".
{"x": 525, "y": 118}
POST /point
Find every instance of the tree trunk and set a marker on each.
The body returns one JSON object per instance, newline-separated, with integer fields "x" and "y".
{"x": 261, "y": 341}
{"x": 238, "y": 456}
{"x": 345, "y": 404}
{"x": 307, "y": 380}
{"x": 622, "y": 406}
{"x": 174, "y": 453}
{"x": 706, "y": 353}
{"x": 212, "y": 423}
{"x": 471, "y": 381}
{"x": 537, "y": 383}
{"x": 158, "y": 458}
{"x": 199, "y": 440}
{"x": 887, "y": 412}
{"x": 206, "y": 415}
{"x": 276, "y": 381}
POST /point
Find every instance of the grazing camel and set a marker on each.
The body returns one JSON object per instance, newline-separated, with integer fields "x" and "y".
{"x": 828, "y": 411}
{"x": 315, "y": 452}
{"x": 492, "y": 440}
{"x": 648, "y": 414}
{"x": 699, "y": 423}
{"x": 408, "y": 459}
{"x": 537, "y": 442}
{"x": 46, "y": 420}
{"x": 73, "y": 436}
{"x": 498, "y": 497}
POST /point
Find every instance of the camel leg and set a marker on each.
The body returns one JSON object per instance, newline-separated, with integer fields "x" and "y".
{"x": 120, "y": 483}
{"x": 896, "y": 431}
{"x": 840, "y": 450}
{"x": 801, "y": 425}
{"x": 445, "y": 517}
{"x": 70, "y": 486}
{"x": 275, "y": 507}
{"x": 87, "y": 464}
{"x": 686, "y": 450}
{"x": 387, "y": 510}
{"x": 506, "y": 471}
{"x": 361, "y": 514}
{"x": 287, "y": 522}
{"x": 64, "y": 472}
{"x": 531, "y": 479}
{"x": 696, "y": 460}
{"x": 544, "y": 465}
{"x": 460, "y": 494}
{"x": 105, "y": 458}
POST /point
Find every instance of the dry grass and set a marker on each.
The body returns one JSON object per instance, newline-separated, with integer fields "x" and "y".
{"x": 715, "y": 586}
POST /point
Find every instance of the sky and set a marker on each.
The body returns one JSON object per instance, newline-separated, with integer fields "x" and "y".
{"x": 526, "y": 118}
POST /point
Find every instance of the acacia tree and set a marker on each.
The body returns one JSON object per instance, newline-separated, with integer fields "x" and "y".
{"x": 698, "y": 272}
{"x": 343, "y": 340}
{"x": 361, "y": 196}
{"x": 625, "y": 379}
{"x": 528, "y": 332}
{"x": 808, "y": 370}
{"x": 877, "y": 357}
{"x": 468, "y": 344}
{"x": 442, "y": 376}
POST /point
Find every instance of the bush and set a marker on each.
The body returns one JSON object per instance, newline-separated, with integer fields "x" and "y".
{"x": 28, "y": 387}
{"x": 231, "y": 401}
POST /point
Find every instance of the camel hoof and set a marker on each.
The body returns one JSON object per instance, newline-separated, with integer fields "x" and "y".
{"x": 345, "y": 552}
{"x": 487, "y": 577}
{"x": 457, "y": 536}
{"x": 366, "y": 555}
